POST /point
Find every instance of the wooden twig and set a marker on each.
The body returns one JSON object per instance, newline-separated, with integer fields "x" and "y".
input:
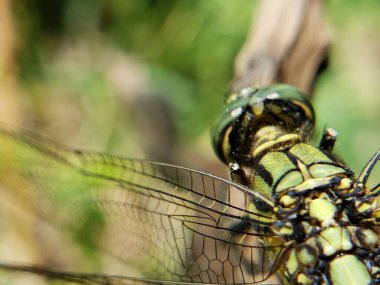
{"x": 288, "y": 43}
{"x": 9, "y": 99}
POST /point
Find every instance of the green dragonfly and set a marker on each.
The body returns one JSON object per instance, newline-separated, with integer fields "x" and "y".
{"x": 293, "y": 213}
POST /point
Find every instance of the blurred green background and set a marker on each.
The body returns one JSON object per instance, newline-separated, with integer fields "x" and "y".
{"x": 146, "y": 78}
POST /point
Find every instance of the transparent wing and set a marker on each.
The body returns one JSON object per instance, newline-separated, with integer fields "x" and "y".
{"x": 81, "y": 278}
{"x": 90, "y": 279}
{"x": 73, "y": 278}
{"x": 171, "y": 223}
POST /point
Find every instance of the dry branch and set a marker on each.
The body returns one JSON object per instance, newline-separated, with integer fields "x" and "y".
{"x": 288, "y": 43}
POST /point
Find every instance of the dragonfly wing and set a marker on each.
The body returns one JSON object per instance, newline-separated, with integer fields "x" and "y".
{"x": 171, "y": 223}
{"x": 79, "y": 278}
{"x": 72, "y": 278}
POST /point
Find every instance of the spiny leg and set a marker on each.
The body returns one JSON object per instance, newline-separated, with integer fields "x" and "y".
{"x": 376, "y": 188}
{"x": 369, "y": 203}
{"x": 364, "y": 174}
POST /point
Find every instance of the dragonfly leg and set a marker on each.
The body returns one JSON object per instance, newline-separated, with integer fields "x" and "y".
{"x": 328, "y": 139}
{"x": 364, "y": 174}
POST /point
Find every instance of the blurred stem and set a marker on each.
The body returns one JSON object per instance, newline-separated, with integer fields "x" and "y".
{"x": 9, "y": 111}
{"x": 288, "y": 43}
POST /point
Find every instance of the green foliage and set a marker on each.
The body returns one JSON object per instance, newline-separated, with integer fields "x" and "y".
{"x": 186, "y": 48}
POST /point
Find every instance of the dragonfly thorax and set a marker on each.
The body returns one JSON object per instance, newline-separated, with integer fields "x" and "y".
{"x": 322, "y": 215}
{"x": 317, "y": 226}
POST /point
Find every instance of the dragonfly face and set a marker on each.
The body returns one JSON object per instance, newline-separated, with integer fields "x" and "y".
{"x": 294, "y": 211}
{"x": 251, "y": 112}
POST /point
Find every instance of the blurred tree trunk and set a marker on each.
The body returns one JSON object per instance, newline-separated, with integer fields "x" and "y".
{"x": 288, "y": 43}
{"x": 9, "y": 101}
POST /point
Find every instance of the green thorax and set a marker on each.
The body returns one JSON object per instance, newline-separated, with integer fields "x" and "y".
{"x": 287, "y": 163}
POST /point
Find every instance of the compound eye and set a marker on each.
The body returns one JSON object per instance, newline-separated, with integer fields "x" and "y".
{"x": 235, "y": 107}
{"x": 251, "y": 109}
{"x": 245, "y": 92}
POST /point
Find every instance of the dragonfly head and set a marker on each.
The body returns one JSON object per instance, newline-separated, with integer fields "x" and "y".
{"x": 254, "y": 116}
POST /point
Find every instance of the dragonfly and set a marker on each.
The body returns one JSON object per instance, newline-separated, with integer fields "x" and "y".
{"x": 292, "y": 213}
